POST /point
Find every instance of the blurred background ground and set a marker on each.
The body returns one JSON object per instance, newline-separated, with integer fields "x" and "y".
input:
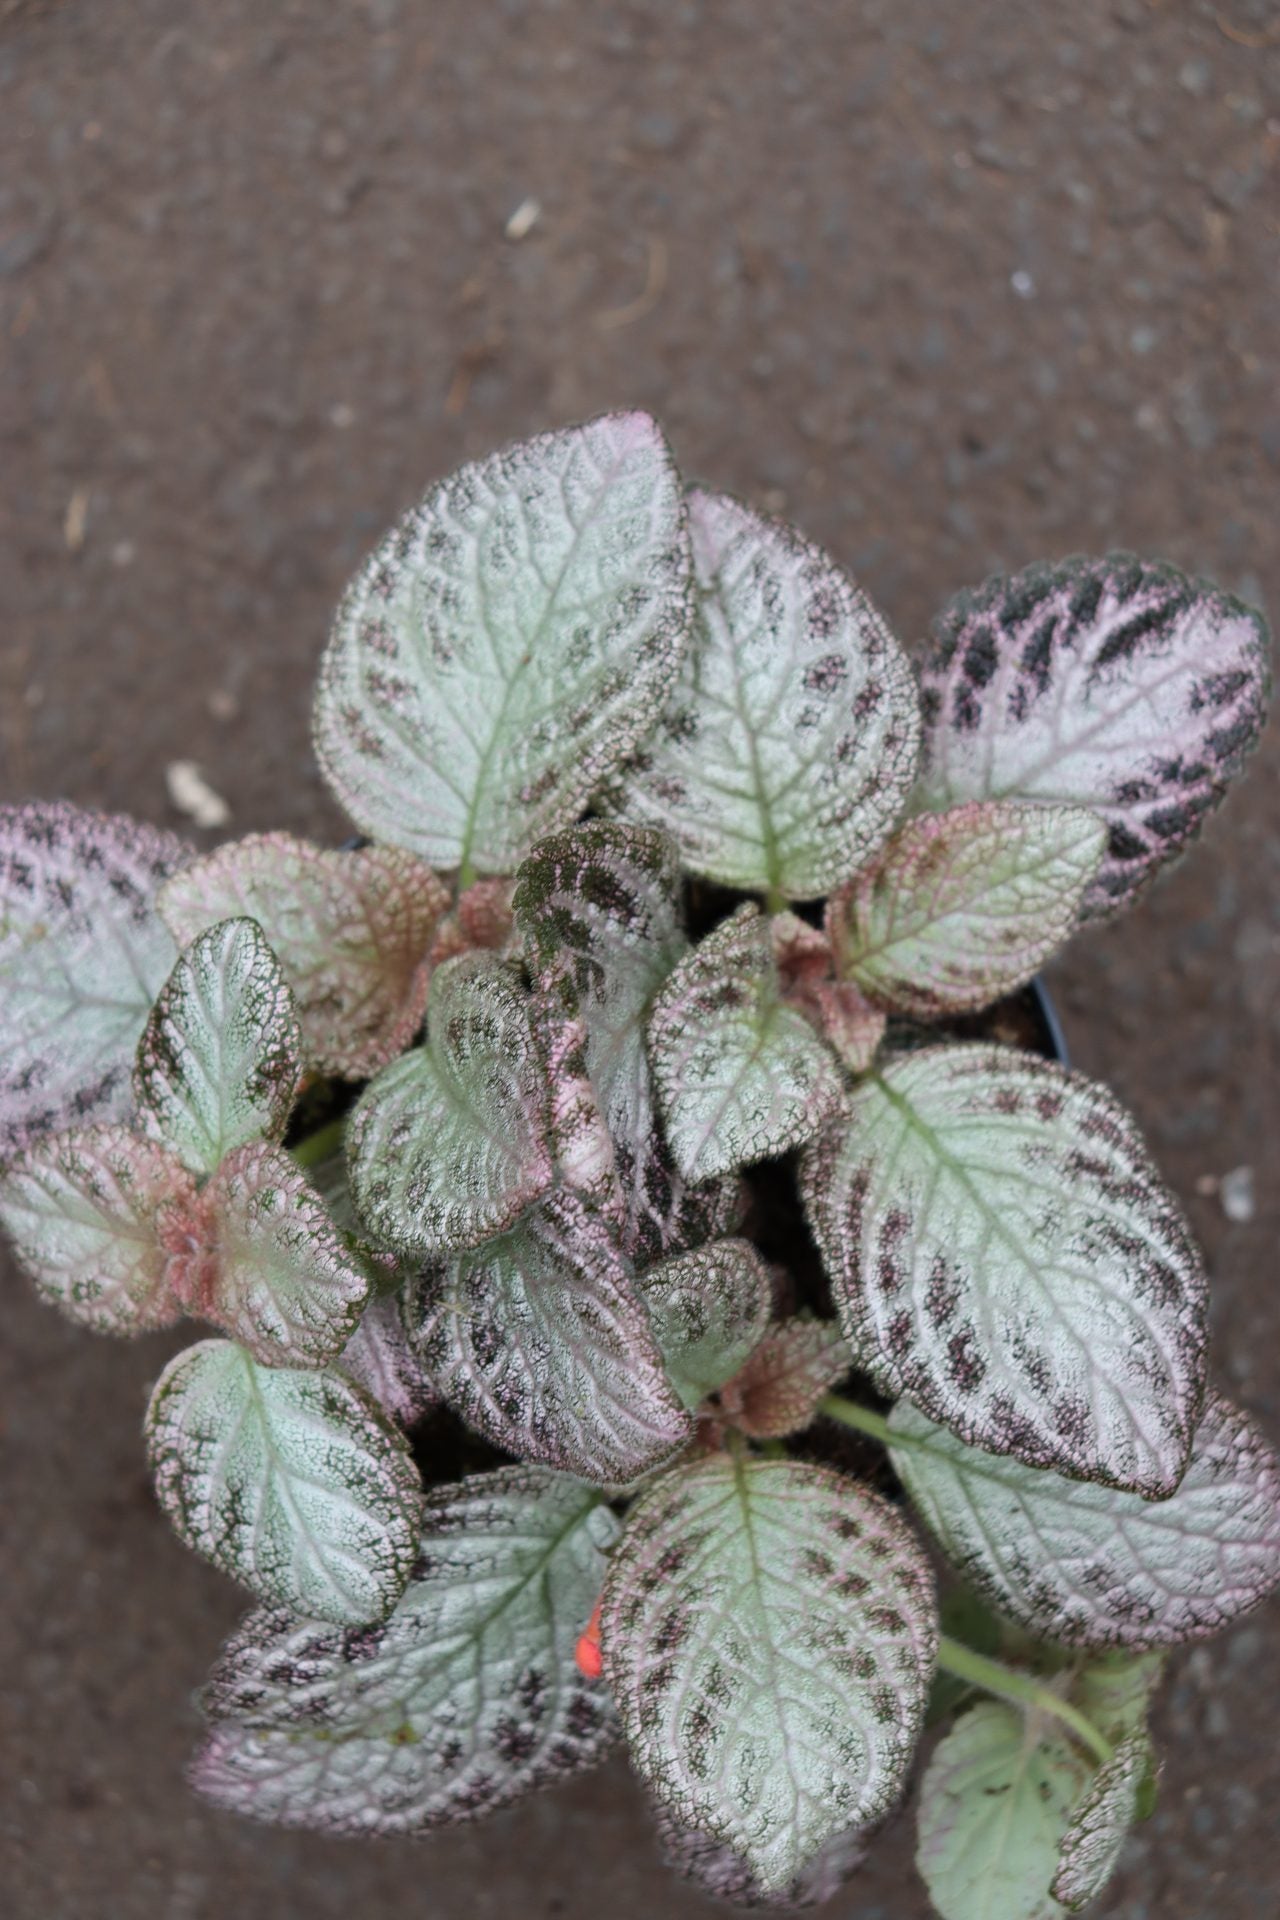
{"x": 956, "y": 287}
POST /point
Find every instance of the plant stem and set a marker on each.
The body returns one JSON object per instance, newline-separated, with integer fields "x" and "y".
{"x": 1007, "y": 1684}
{"x": 775, "y": 900}
{"x": 319, "y": 1145}
{"x": 850, "y": 1414}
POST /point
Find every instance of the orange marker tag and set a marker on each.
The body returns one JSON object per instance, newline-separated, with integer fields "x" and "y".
{"x": 587, "y": 1652}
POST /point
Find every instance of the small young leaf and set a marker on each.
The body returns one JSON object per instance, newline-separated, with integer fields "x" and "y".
{"x": 380, "y": 1356}
{"x": 290, "y": 1481}
{"x": 449, "y": 1144}
{"x": 741, "y": 1076}
{"x": 1100, "y": 1824}
{"x": 1092, "y": 1567}
{"x": 82, "y": 955}
{"x": 995, "y": 1802}
{"x": 541, "y": 1341}
{"x": 1110, "y": 684}
{"x": 464, "y": 1699}
{"x": 279, "y": 1278}
{"x": 351, "y": 931}
{"x": 710, "y": 1309}
{"x": 778, "y": 1390}
{"x": 722, "y": 1874}
{"x": 1002, "y": 1250}
{"x": 768, "y": 1632}
{"x": 1115, "y": 1691}
{"x": 508, "y": 643}
{"x": 847, "y": 1021}
{"x": 791, "y": 741}
{"x": 82, "y": 1208}
{"x": 966, "y": 906}
{"x": 219, "y": 1063}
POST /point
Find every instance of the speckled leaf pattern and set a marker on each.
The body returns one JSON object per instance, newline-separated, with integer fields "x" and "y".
{"x": 1090, "y": 1566}
{"x": 790, "y": 743}
{"x": 1100, "y": 1824}
{"x": 541, "y": 1341}
{"x": 82, "y": 1209}
{"x": 83, "y": 954}
{"x": 768, "y": 1632}
{"x": 507, "y": 644}
{"x": 741, "y": 1076}
{"x": 380, "y": 1356}
{"x": 290, "y": 1481}
{"x": 220, "y": 1059}
{"x": 723, "y": 1874}
{"x": 351, "y": 931}
{"x": 710, "y": 1309}
{"x": 449, "y": 1144}
{"x": 1113, "y": 684}
{"x": 995, "y": 1803}
{"x": 778, "y": 1390}
{"x": 966, "y": 906}
{"x": 464, "y": 1699}
{"x": 1003, "y": 1252}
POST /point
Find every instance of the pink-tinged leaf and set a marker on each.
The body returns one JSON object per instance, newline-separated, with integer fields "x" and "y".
{"x": 716, "y": 1870}
{"x": 709, "y": 1309}
{"x": 768, "y": 1632}
{"x": 1003, "y": 1252}
{"x": 847, "y": 1021}
{"x": 82, "y": 1208}
{"x": 220, "y": 1059}
{"x": 741, "y": 1076}
{"x": 966, "y": 906}
{"x": 1112, "y": 684}
{"x": 351, "y": 931}
{"x": 1091, "y": 1567}
{"x": 482, "y": 918}
{"x": 778, "y": 1390}
{"x": 289, "y": 1480}
{"x": 465, "y": 1699}
{"x": 449, "y": 1145}
{"x": 541, "y": 1341}
{"x": 1100, "y": 1823}
{"x": 381, "y": 1357}
{"x": 791, "y": 741}
{"x": 508, "y": 643}
{"x": 82, "y": 955}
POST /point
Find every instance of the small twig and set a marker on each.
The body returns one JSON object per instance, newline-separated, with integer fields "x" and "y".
{"x": 654, "y": 286}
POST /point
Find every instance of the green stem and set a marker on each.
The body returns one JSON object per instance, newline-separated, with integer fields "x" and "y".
{"x": 850, "y": 1414}
{"x": 321, "y": 1144}
{"x": 1007, "y": 1684}
{"x": 775, "y": 900}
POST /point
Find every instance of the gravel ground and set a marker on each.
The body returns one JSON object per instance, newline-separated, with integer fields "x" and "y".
{"x": 955, "y": 287}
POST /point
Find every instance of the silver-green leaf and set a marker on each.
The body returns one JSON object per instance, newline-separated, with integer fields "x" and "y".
{"x": 716, "y": 1870}
{"x": 710, "y": 1309}
{"x": 1100, "y": 1824}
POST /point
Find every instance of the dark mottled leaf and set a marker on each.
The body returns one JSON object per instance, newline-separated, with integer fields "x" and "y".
{"x": 710, "y": 1309}
{"x": 1100, "y": 1824}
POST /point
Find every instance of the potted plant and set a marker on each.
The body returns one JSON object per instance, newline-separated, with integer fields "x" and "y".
{"x": 641, "y": 1097}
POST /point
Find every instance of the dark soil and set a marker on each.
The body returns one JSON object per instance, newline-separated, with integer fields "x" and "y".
{"x": 956, "y": 287}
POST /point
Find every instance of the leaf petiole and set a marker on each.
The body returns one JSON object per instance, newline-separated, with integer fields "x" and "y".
{"x": 850, "y": 1414}
{"x": 322, "y": 1144}
{"x": 1019, "y": 1688}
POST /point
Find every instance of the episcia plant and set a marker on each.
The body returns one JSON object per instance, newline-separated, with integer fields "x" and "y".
{"x": 639, "y": 1115}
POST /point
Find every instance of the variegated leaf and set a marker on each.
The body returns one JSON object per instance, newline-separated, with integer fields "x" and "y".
{"x": 1100, "y": 1824}
{"x": 351, "y": 931}
{"x": 716, "y": 1870}
{"x": 768, "y": 1632}
{"x": 966, "y": 906}
{"x": 82, "y": 1208}
{"x": 778, "y": 1390}
{"x": 464, "y": 1699}
{"x": 790, "y": 743}
{"x": 220, "y": 1059}
{"x": 540, "y": 1340}
{"x": 995, "y": 1803}
{"x": 82, "y": 955}
{"x": 381, "y": 1357}
{"x": 449, "y": 1144}
{"x": 845, "y": 1018}
{"x": 710, "y": 1309}
{"x": 292, "y": 1482}
{"x": 507, "y": 644}
{"x": 1090, "y": 1566}
{"x": 1003, "y": 1251}
{"x": 1113, "y": 684}
{"x": 741, "y": 1076}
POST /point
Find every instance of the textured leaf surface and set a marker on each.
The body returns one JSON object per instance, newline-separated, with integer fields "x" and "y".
{"x": 1003, "y": 1252}
{"x": 967, "y": 905}
{"x": 1100, "y": 1824}
{"x": 464, "y": 1699}
{"x": 723, "y": 1874}
{"x": 837, "y": 1009}
{"x": 82, "y": 955}
{"x": 351, "y": 931}
{"x": 790, "y": 742}
{"x": 1091, "y": 1566}
{"x": 507, "y": 644}
{"x": 741, "y": 1076}
{"x": 768, "y": 1632}
{"x": 380, "y": 1356}
{"x": 1111, "y": 684}
{"x": 82, "y": 1208}
{"x": 220, "y": 1059}
{"x": 709, "y": 1309}
{"x": 290, "y": 1481}
{"x": 778, "y": 1390}
{"x": 449, "y": 1144}
{"x": 540, "y": 1340}
{"x": 995, "y": 1803}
